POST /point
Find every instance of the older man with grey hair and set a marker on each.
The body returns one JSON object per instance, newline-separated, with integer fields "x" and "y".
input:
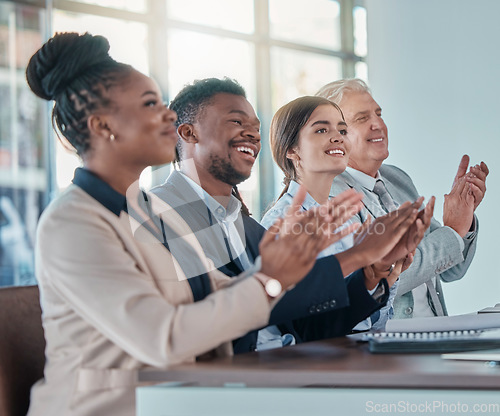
{"x": 446, "y": 251}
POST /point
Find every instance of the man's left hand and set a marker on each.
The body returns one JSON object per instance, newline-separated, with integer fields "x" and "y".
{"x": 476, "y": 177}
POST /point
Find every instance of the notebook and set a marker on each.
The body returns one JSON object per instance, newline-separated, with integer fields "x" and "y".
{"x": 445, "y": 323}
{"x": 433, "y": 342}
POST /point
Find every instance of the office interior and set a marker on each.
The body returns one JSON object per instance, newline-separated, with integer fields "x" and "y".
{"x": 432, "y": 66}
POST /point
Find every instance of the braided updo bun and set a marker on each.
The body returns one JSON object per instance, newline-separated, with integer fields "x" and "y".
{"x": 76, "y": 72}
{"x": 62, "y": 59}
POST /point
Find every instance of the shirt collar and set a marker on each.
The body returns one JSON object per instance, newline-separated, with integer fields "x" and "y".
{"x": 100, "y": 190}
{"x": 309, "y": 201}
{"x": 219, "y": 211}
{"x": 363, "y": 179}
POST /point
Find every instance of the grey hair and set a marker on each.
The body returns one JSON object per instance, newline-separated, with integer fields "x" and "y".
{"x": 334, "y": 91}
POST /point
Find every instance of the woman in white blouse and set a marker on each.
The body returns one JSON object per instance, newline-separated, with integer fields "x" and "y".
{"x": 310, "y": 143}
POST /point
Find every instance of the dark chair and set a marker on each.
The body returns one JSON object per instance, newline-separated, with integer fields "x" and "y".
{"x": 22, "y": 346}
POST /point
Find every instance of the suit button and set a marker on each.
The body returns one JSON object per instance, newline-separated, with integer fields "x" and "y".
{"x": 312, "y": 309}
{"x": 333, "y": 303}
{"x": 326, "y": 305}
{"x": 319, "y": 309}
{"x": 408, "y": 310}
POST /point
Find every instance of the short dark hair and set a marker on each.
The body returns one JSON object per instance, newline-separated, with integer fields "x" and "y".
{"x": 193, "y": 98}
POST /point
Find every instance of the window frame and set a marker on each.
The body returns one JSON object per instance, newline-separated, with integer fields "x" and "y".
{"x": 159, "y": 23}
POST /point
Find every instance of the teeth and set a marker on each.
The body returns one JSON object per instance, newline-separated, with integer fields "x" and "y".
{"x": 335, "y": 152}
{"x": 376, "y": 140}
{"x": 245, "y": 149}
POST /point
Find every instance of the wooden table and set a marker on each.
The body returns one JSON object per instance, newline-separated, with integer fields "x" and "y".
{"x": 338, "y": 376}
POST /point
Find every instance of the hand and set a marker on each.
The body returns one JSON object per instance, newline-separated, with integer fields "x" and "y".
{"x": 477, "y": 180}
{"x": 327, "y": 218}
{"x": 401, "y": 255}
{"x": 337, "y": 211}
{"x": 381, "y": 236}
{"x": 407, "y": 261}
{"x": 379, "y": 271}
{"x": 462, "y": 169}
{"x": 413, "y": 236}
{"x": 343, "y": 206}
{"x": 458, "y": 208}
{"x": 289, "y": 248}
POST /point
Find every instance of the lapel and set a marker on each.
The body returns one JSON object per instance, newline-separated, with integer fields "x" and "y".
{"x": 153, "y": 215}
{"x": 371, "y": 207}
{"x": 182, "y": 197}
{"x": 210, "y": 235}
{"x": 391, "y": 188}
{"x": 253, "y": 232}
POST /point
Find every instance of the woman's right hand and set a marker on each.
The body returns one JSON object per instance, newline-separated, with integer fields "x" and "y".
{"x": 379, "y": 271}
{"x": 386, "y": 239}
{"x": 289, "y": 248}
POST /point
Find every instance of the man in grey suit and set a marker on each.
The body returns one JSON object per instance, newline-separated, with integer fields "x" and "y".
{"x": 446, "y": 251}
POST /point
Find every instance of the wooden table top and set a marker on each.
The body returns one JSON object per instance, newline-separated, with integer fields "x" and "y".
{"x": 339, "y": 362}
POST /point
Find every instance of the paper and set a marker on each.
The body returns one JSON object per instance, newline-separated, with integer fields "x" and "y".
{"x": 488, "y": 355}
{"x": 491, "y": 309}
{"x": 445, "y": 323}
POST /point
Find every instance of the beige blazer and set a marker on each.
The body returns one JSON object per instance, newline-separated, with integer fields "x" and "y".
{"x": 114, "y": 303}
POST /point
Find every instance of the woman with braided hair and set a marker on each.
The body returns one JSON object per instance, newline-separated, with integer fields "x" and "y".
{"x": 113, "y": 299}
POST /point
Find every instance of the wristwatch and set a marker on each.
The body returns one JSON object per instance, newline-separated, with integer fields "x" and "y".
{"x": 272, "y": 286}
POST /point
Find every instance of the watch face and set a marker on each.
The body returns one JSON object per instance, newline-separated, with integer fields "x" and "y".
{"x": 273, "y": 287}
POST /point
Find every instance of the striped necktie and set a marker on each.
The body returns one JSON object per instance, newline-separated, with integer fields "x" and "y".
{"x": 389, "y": 205}
{"x": 385, "y": 198}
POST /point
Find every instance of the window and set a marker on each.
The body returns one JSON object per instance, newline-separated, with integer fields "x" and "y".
{"x": 277, "y": 49}
{"x": 23, "y": 137}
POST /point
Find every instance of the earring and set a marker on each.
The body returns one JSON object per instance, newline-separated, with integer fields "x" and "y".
{"x": 112, "y": 137}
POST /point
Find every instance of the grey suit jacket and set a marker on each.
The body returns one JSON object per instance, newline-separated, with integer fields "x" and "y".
{"x": 439, "y": 253}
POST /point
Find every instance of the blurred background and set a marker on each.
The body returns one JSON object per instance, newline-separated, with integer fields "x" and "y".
{"x": 431, "y": 65}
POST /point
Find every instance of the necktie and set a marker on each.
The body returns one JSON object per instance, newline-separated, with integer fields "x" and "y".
{"x": 385, "y": 198}
{"x": 389, "y": 205}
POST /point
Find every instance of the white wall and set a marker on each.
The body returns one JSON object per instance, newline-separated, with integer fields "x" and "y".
{"x": 434, "y": 67}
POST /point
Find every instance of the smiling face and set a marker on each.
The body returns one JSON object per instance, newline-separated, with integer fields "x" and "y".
{"x": 226, "y": 139}
{"x": 143, "y": 126}
{"x": 367, "y": 132}
{"x": 323, "y": 145}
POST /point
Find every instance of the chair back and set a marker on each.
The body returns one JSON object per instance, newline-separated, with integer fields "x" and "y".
{"x": 22, "y": 347}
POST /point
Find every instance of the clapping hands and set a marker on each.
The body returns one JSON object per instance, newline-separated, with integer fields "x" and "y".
{"x": 289, "y": 248}
{"x": 467, "y": 192}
